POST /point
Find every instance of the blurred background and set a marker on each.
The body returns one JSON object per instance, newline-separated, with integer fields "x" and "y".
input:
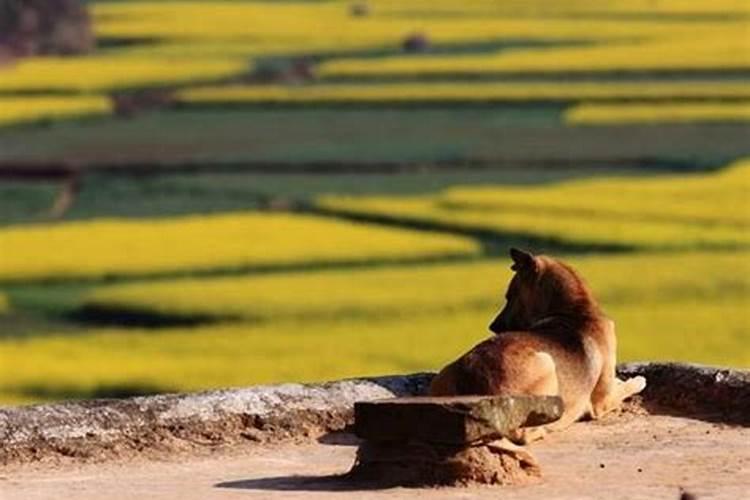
{"x": 232, "y": 192}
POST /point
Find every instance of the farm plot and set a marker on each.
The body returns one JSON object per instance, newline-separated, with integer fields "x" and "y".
{"x": 640, "y": 112}
{"x": 105, "y": 248}
{"x": 14, "y": 110}
{"x": 410, "y": 291}
{"x": 664, "y": 314}
{"x": 724, "y": 49}
{"x": 96, "y": 74}
{"x": 705, "y": 211}
{"x": 467, "y": 92}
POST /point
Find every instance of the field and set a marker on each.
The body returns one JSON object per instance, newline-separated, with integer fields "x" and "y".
{"x": 240, "y": 192}
{"x": 624, "y": 213}
{"x": 207, "y": 243}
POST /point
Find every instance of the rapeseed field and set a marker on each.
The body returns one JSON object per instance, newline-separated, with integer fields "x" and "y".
{"x": 104, "y": 248}
{"x": 448, "y": 92}
{"x": 708, "y": 211}
{"x": 15, "y": 110}
{"x": 192, "y": 44}
{"x": 410, "y": 292}
{"x": 121, "y": 298}
{"x": 640, "y": 112}
{"x": 690, "y": 306}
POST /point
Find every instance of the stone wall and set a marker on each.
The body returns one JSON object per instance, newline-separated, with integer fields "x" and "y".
{"x": 95, "y": 430}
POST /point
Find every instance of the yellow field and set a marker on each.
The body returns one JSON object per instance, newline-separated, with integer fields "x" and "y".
{"x": 585, "y": 114}
{"x": 712, "y": 199}
{"x": 526, "y": 7}
{"x": 728, "y": 48}
{"x": 705, "y": 211}
{"x": 107, "y": 73}
{"x": 423, "y": 291}
{"x": 472, "y": 91}
{"x": 682, "y": 292}
{"x": 329, "y": 25}
{"x": 701, "y": 316}
{"x": 107, "y": 247}
{"x": 30, "y": 109}
{"x": 199, "y": 42}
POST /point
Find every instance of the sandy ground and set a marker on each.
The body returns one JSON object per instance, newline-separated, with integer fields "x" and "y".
{"x": 631, "y": 456}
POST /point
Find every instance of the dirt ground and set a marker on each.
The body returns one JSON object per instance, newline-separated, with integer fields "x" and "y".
{"x": 630, "y": 456}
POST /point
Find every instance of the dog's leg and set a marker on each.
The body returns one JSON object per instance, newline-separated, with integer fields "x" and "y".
{"x": 610, "y": 391}
{"x": 621, "y": 391}
{"x": 544, "y": 383}
{"x": 505, "y": 445}
{"x": 570, "y": 416}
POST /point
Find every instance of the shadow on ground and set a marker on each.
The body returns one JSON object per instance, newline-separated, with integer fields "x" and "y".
{"x": 333, "y": 482}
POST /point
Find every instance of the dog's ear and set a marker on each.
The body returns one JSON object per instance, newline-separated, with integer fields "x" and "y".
{"x": 522, "y": 261}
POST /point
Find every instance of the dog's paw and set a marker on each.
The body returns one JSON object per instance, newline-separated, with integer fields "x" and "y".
{"x": 636, "y": 384}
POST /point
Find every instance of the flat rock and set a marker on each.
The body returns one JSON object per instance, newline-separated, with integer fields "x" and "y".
{"x": 452, "y": 420}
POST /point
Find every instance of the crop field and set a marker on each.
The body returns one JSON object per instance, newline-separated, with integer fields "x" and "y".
{"x": 651, "y": 214}
{"x": 31, "y": 109}
{"x": 102, "y": 74}
{"x": 237, "y": 191}
{"x": 639, "y": 112}
{"x": 204, "y": 51}
{"x": 383, "y": 293}
{"x": 205, "y": 243}
{"x": 702, "y": 316}
{"x": 467, "y": 92}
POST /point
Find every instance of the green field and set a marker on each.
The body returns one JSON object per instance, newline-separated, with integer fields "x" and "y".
{"x": 309, "y": 198}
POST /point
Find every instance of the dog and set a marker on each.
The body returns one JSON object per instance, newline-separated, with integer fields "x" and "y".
{"x": 551, "y": 339}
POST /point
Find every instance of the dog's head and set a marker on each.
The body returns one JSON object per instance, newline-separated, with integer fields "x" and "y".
{"x": 541, "y": 287}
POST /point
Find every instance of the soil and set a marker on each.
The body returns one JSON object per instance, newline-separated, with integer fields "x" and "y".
{"x": 631, "y": 455}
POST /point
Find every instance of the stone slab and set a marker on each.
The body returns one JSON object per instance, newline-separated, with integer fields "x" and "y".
{"x": 452, "y": 420}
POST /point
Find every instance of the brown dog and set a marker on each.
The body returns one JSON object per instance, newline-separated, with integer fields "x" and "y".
{"x": 551, "y": 339}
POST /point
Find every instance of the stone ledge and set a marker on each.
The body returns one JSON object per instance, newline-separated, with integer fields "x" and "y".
{"x": 710, "y": 393}
{"x": 108, "y": 428}
{"x": 101, "y": 429}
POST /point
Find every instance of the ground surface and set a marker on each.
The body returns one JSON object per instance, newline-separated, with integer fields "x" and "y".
{"x": 630, "y": 456}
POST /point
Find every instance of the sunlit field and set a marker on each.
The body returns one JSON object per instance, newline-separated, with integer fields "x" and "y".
{"x": 706, "y": 211}
{"x": 102, "y": 74}
{"x": 239, "y": 192}
{"x": 658, "y": 113}
{"x": 188, "y": 45}
{"x": 459, "y": 92}
{"x": 330, "y": 325}
{"x": 106, "y": 248}
{"x": 409, "y": 292}
{"x": 15, "y": 110}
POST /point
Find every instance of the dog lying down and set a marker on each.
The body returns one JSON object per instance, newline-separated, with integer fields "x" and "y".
{"x": 551, "y": 338}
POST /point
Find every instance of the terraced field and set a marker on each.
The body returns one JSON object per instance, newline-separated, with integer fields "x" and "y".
{"x": 185, "y": 332}
{"x": 681, "y": 52}
{"x": 327, "y": 325}
{"x": 706, "y": 211}
{"x": 259, "y": 191}
{"x": 107, "y": 248}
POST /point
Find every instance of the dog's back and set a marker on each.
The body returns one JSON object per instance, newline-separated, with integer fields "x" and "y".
{"x": 527, "y": 362}
{"x": 551, "y": 339}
